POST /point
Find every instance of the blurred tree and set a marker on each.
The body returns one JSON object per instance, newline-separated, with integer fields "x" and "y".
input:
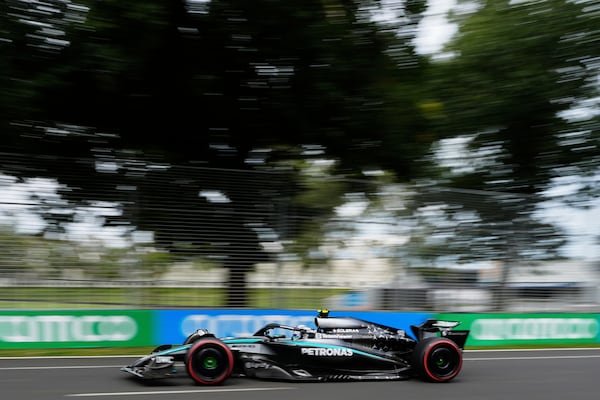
{"x": 12, "y": 250}
{"x": 516, "y": 68}
{"x": 214, "y": 83}
{"x": 505, "y": 87}
{"x": 501, "y": 106}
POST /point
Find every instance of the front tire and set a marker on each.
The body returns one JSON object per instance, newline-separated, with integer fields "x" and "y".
{"x": 437, "y": 359}
{"x": 209, "y": 362}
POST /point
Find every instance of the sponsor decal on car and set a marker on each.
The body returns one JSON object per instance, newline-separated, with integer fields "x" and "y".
{"x": 333, "y": 336}
{"x": 257, "y": 365}
{"x": 327, "y": 352}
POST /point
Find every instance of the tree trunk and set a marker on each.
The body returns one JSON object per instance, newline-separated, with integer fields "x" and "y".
{"x": 237, "y": 289}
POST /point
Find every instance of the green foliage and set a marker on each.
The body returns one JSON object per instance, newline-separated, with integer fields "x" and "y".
{"x": 176, "y": 82}
{"x": 320, "y": 189}
{"x": 89, "y": 297}
{"x": 12, "y": 250}
{"x": 213, "y": 83}
{"x": 248, "y": 75}
{"x": 516, "y": 67}
{"x": 36, "y": 257}
{"x": 155, "y": 264}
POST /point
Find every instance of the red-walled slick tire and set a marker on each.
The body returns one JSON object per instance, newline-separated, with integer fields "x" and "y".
{"x": 209, "y": 361}
{"x": 437, "y": 359}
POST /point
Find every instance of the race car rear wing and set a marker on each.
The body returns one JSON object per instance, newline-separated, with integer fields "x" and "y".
{"x": 435, "y": 328}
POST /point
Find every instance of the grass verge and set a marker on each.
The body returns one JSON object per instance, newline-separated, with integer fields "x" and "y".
{"x": 12, "y": 298}
{"x": 87, "y": 352}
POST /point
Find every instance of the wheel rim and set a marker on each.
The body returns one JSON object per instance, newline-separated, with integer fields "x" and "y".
{"x": 443, "y": 361}
{"x": 209, "y": 363}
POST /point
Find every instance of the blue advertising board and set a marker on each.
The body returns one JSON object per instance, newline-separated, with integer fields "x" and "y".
{"x": 173, "y": 326}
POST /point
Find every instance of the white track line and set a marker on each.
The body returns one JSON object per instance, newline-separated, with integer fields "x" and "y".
{"x": 595, "y": 350}
{"x": 163, "y": 392}
{"x": 533, "y": 350}
{"x": 66, "y": 357}
{"x": 574, "y": 357}
{"x": 59, "y": 367}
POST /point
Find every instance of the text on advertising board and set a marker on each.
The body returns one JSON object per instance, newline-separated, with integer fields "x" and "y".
{"x": 534, "y": 328}
{"x": 65, "y": 328}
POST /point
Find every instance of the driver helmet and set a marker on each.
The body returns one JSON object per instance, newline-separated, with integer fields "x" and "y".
{"x": 300, "y": 331}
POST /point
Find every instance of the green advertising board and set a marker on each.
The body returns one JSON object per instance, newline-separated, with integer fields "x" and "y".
{"x": 71, "y": 329}
{"x": 45, "y": 329}
{"x": 493, "y": 330}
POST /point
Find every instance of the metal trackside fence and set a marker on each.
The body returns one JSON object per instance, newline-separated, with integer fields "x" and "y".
{"x": 122, "y": 232}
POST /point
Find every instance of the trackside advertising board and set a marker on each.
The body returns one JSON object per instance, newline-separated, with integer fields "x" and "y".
{"x": 491, "y": 330}
{"x": 173, "y": 326}
{"x": 73, "y": 329}
{"x": 123, "y": 328}
{"x": 45, "y": 329}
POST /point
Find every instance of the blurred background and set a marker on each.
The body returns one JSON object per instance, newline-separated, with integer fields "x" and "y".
{"x": 353, "y": 154}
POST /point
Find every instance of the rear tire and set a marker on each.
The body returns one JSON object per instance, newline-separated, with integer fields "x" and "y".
{"x": 209, "y": 361}
{"x": 437, "y": 359}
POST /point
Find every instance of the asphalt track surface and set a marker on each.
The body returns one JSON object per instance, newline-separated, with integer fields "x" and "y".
{"x": 541, "y": 374}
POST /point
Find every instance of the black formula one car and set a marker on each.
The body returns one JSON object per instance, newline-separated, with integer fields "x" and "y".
{"x": 341, "y": 348}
